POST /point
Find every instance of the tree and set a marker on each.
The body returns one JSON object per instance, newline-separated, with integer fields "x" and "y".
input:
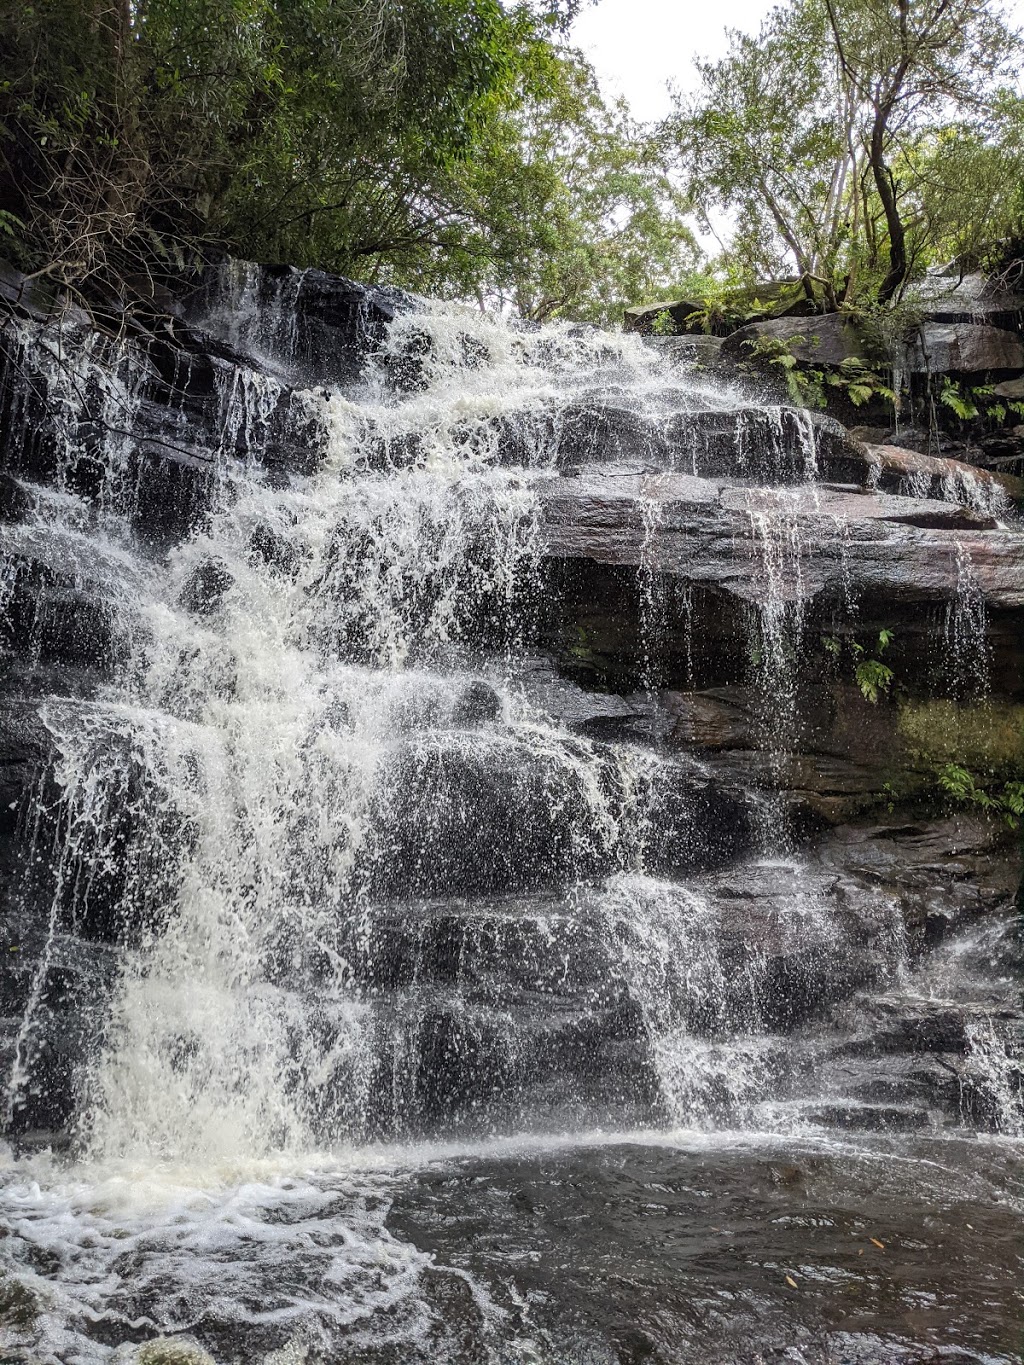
{"x": 456, "y": 146}
{"x": 904, "y": 64}
{"x": 825, "y": 136}
{"x": 573, "y": 208}
{"x": 770, "y": 137}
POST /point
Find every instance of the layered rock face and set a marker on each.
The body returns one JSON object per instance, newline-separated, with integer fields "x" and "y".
{"x": 416, "y": 725}
{"x": 956, "y": 360}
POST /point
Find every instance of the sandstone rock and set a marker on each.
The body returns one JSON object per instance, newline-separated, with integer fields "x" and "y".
{"x": 949, "y": 297}
{"x": 709, "y": 720}
{"x": 641, "y": 317}
{"x": 698, "y": 348}
{"x": 963, "y": 348}
{"x": 313, "y": 325}
{"x": 825, "y": 340}
{"x": 712, "y": 532}
{"x": 893, "y": 469}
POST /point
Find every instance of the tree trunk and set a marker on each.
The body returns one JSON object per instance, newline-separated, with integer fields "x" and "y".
{"x": 898, "y": 264}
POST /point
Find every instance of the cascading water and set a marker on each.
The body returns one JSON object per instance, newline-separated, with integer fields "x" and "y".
{"x": 351, "y": 864}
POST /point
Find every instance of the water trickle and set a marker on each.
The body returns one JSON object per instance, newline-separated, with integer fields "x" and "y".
{"x": 325, "y": 858}
{"x": 965, "y": 662}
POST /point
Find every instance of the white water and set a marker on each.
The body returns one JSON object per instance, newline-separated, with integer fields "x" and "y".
{"x": 294, "y": 760}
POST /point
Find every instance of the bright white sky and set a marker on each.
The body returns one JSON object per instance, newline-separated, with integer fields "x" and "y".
{"x": 638, "y": 46}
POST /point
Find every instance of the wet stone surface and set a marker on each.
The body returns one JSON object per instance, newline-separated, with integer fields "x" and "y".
{"x": 459, "y": 903}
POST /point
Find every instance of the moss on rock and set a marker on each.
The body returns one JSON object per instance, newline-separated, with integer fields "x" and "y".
{"x": 986, "y": 737}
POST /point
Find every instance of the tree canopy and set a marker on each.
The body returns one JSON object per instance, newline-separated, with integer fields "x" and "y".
{"x": 457, "y": 146}
{"x": 856, "y": 141}
{"x": 463, "y": 148}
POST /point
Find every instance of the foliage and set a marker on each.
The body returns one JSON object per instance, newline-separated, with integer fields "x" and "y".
{"x": 954, "y": 398}
{"x": 1006, "y": 801}
{"x": 453, "y": 145}
{"x": 858, "y": 140}
{"x": 663, "y": 326}
{"x": 807, "y": 386}
{"x": 873, "y": 678}
{"x": 763, "y": 142}
{"x": 575, "y": 213}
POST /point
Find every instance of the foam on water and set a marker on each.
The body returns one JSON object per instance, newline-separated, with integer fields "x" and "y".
{"x": 315, "y": 730}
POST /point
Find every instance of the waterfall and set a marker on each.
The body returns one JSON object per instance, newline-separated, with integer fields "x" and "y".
{"x": 417, "y": 746}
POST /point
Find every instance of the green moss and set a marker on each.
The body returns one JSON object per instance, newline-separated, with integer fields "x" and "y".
{"x": 986, "y": 737}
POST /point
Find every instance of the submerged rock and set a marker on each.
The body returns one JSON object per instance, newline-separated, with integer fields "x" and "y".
{"x": 205, "y": 587}
{"x": 164, "y": 1351}
{"x": 476, "y": 705}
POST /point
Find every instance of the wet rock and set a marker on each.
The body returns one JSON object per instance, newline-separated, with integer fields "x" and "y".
{"x": 710, "y": 720}
{"x": 65, "y": 607}
{"x": 947, "y": 296}
{"x": 205, "y": 587}
{"x": 699, "y": 349}
{"x": 896, "y": 470}
{"x": 945, "y": 873}
{"x": 963, "y": 348}
{"x": 480, "y": 812}
{"x": 274, "y": 549}
{"x": 164, "y": 1351}
{"x": 713, "y": 532}
{"x": 15, "y": 500}
{"x": 477, "y": 704}
{"x": 317, "y": 326}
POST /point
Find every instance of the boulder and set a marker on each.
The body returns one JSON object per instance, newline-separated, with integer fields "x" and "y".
{"x": 963, "y": 348}
{"x": 826, "y": 340}
{"x": 945, "y": 296}
{"x": 205, "y": 587}
{"x": 894, "y": 469}
{"x": 641, "y": 317}
{"x": 15, "y": 499}
{"x": 476, "y": 705}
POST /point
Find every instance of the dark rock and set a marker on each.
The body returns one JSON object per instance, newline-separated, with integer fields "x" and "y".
{"x": 310, "y": 324}
{"x": 15, "y": 500}
{"x": 707, "y": 532}
{"x": 825, "y": 340}
{"x": 477, "y": 704}
{"x": 700, "y": 349}
{"x": 205, "y": 587}
{"x": 34, "y": 297}
{"x": 486, "y": 813}
{"x": 963, "y": 348}
{"x": 948, "y": 297}
{"x": 642, "y": 317}
{"x": 272, "y": 548}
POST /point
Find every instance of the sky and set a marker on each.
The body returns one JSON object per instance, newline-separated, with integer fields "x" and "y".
{"x": 637, "y": 46}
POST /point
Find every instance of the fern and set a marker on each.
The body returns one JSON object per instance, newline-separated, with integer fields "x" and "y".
{"x": 952, "y": 397}
{"x": 961, "y": 785}
{"x": 873, "y": 678}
